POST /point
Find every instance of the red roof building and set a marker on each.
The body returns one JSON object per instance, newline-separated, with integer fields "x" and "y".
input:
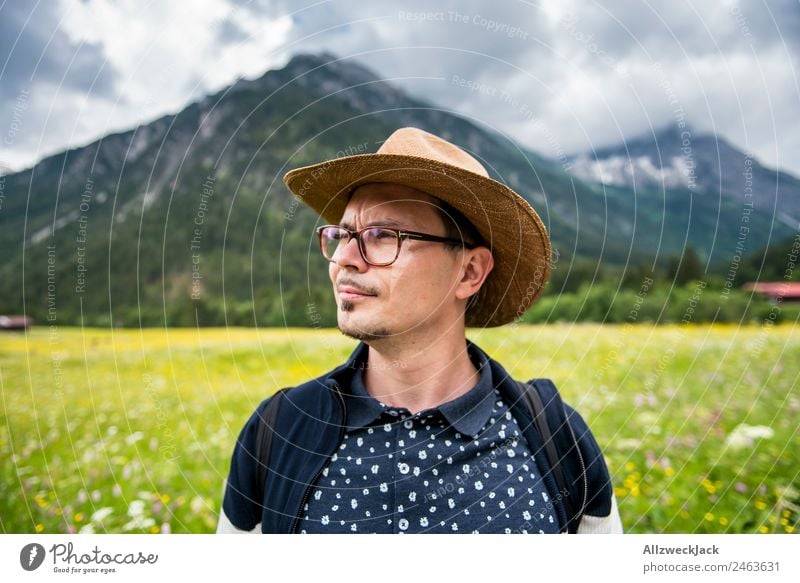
{"x": 15, "y": 322}
{"x": 787, "y": 291}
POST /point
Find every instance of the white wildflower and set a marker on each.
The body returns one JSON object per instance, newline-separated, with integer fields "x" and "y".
{"x": 744, "y": 435}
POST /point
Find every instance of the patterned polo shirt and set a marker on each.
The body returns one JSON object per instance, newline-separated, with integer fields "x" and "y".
{"x": 461, "y": 467}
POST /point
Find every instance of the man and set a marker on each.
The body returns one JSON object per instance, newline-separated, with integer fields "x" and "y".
{"x": 420, "y": 431}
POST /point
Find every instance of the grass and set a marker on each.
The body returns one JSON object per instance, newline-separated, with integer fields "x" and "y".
{"x": 132, "y": 430}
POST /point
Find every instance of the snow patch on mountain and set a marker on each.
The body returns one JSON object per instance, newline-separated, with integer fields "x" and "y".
{"x": 633, "y": 172}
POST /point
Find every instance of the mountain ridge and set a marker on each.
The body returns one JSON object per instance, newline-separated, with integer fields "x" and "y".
{"x": 136, "y": 197}
{"x": 702, "y": 162}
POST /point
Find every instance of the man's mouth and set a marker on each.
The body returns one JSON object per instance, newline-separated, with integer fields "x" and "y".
{"x": 347, "y": 292}
{"x": 353, "y": 292}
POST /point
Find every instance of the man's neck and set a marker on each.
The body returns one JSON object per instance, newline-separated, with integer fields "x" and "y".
{"x": 419, "y": 374}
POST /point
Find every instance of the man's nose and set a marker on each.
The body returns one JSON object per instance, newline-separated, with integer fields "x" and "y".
{"x": 348, "y": 254}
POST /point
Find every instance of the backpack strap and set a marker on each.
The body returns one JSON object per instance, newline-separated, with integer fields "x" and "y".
{"x": 266, "y": 429}
{"x": 550, "y": 418}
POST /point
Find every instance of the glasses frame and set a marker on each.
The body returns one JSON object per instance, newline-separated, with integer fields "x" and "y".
{"x": 401, "y": 235}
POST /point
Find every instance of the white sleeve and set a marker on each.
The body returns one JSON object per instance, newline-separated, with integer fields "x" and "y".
{"x": 611, "y": 524}
{"x": 225, "y": 526}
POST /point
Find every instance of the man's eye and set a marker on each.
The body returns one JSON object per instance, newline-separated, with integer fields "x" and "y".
{"x": 378, "y": 233}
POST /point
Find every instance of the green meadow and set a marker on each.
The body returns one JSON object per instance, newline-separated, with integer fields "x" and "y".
{"x": 132, "y": 430}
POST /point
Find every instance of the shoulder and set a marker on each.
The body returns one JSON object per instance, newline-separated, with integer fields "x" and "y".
{"x": 596, "y": 494}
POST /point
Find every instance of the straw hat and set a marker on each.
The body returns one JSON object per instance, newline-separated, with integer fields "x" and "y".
{"x": 508, "y": 224}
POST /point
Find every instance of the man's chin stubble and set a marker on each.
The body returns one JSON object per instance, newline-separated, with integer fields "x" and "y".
{"x": 363, "y": 335}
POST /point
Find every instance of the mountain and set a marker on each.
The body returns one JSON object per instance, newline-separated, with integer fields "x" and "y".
{"x": 706, "y": 164}
{"x": 186, "y": 220}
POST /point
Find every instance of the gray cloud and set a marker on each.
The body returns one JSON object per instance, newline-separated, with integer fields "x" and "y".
{"x": 610, "y": 73}
{"x": 44, "y": 76}
{"x": 36, "y": 52}
{"x": 424, "y": 46}
{"x": 574, "y": 75}
{"x": 229, "y": 32}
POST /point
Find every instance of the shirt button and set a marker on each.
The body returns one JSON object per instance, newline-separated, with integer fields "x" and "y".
{"x": 402, "y": 524}
{"x": 408, "y": 424}
{"x": 392, "y": 412}
{"x": 403, "y": 467}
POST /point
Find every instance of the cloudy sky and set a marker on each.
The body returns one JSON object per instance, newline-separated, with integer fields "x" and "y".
{"x": 559, "y": 76}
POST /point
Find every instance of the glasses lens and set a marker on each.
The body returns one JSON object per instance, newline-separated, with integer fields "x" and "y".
{"x": 380, "y": 245}
{"x": 331, "y": 238}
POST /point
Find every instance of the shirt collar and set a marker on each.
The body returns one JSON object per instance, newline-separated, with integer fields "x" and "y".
{"x": 362, "y": 408}
{"x": 467, "y": 414}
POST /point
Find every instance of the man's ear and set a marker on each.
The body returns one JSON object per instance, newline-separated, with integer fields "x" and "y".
{"x": 477, "y": 264}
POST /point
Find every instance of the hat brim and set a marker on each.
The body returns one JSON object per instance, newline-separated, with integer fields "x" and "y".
{"x": 506, "y": 221}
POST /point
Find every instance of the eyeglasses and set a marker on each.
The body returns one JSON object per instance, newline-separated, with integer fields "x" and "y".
{"x": 379, "y": 246}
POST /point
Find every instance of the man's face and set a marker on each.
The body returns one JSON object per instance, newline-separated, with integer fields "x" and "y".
{"x": 413, "y": 294}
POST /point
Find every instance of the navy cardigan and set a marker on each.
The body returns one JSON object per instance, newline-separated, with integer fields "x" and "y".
{"x": 310, "y": 427}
